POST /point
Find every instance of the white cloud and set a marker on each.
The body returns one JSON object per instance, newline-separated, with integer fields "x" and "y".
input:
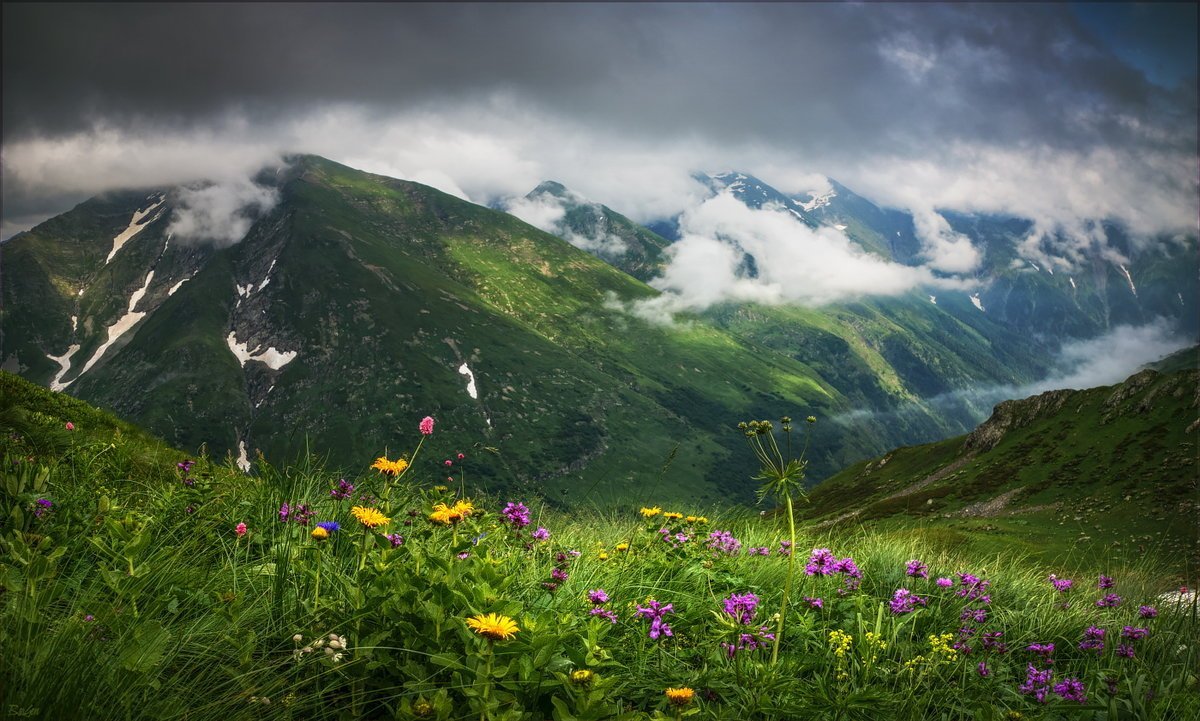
{"x": 543, "y": 211}
{"x": 945, "y": 249}
{"x": 220, "y": 213}
{"x": 1112, "y": 357}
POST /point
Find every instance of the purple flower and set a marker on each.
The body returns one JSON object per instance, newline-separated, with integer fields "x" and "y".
{"x": 396, "y": 539}
{"x": 42, "y": 506}
{"x": 185, "y": 466}
{"x": 517, "y": 514}
{"x": 916, "y": 569}
{"x": 1071, "y": 689}
{"x": 467, "y": 554}
{"x": 993, "y": 641}
{"x": 821, "y": 562}
{"x": 973, "y": 588}
{"x": 89, "y": 618}
{"x": 814, "y": 602}
{"x": 1037, "y": 682}
{"x": 983, "y": 670}
{"x": 1134, "y": 634}
{"x": 848, "y": 567}
{"x": 655, "y": 612}
{"x": 558, "y": 575}
{"x": 748, "y": 641}
{"x": 343, "y": 489}
{"x": 785, "y": 548}
{"x": 1125, "y": 650}
{"x": 1105, "y": 582}
{"x": 1111, "y": 600}
{"x": 742, "y": 607}
{"x": 330, "y": 526}
{"x": 1062, "y": 585}
{"x": 540, "y": 534}
{"x": 1093, "y": 639}
{"x": 724, "y": 542}
{"x": 597, "y": 597}
{"x": 1045, "y": 650}
{"x": 905, "y": 601}
{"x": 1147, "y": 611}
{"x": 978, "y": 615}
{"x": 604, "y": 613}
{"x": 944, "y": 583}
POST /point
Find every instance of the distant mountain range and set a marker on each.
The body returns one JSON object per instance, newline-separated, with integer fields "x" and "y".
{"x": 345, "y": 306}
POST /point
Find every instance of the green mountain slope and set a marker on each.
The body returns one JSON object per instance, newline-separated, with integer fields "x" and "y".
{"x": 359, "y": 304}
{"x": 1106, "y": 470}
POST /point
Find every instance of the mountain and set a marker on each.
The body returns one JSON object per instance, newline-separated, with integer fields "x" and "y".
{"x": 352, "y": 305}
{"x": 599, "y": 230}
{"x": 1116, "y": 466}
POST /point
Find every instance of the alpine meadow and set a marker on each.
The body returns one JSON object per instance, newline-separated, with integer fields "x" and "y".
{"x": 586, "y": 361}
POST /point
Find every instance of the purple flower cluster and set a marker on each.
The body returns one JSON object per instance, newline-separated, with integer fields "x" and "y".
{"x": 994, "y": 641}
{"x": 299, "y": 513}
{"x": 1134, "y": 634}
{"x": 973, "y": 588}
{"x": 748, "y": 641}
{"x": 1105, "y": 582}
{"x": 1062, "y": 585}
{"x": 673, "y": 540}
{"x": 1044, "y": 650}
{"x": 741, "y": 607}
{"x": 517, "y": 514}
{"x": 1071, "y": 689}
{"x": 944, "y": 583}
{"x": 983, "y": 670}
{"x": 916, "y": 569}
{"x": 344, "y": 489}
{"x": 1147, "y": 611}
{"x": 1125, "y": 650}
{"x": 655, "y": 611}
{"x": 558, "y": 575}
{"x": 1093, "y": 639}
{"x": 785, "y": 548}
{"x": 395, "y": 539}
{"x": 723, "y": 542}
{"x": 814, "y": 602}
{"x": 42, "y": 506}
{"x": 541, "y": 534}
{"x": 185, "y": 467}
{"x": 1037, "y": 682}
{"x": 758, "y": 551}
{"x": 905, "y": 601}
{"x": 978, "y": 615}
{"x": 1110, "y": 600}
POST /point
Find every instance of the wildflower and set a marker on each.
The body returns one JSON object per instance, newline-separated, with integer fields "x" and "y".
{"x": 467, "y": 554}
{"x": 396, "y": 539}
{"x": 517, "y": 514}
{"x": 679, "y": 696}
{"x": 848, "y": 567}
{"x": 70, "y": 426}
{"x": 329, "y": 526}
{"x": 540, "y": 534}
{"x": 814, "y": 602}
{"x": 42, "y": 506}
{"x": 983, "y": 670}
{"x": 1125, "y": 650}
{"x": 604, "y": 613}
{"x": 1134, "y": 633}
{"x": 978, "y": 615}
{"x": 905, "y": 601}
{"x": 973, "y": 588}
{"x": 446, "y": 515}
{"x": 461, "y": 456}
{"x": 427, "y": 426}
{"x": 650, "y": 512}
{"x": 840, "y": 642}
{"x": 343, "y": 489}
{"x": 582, "y": 677}
{"x": 785, "y": 548}
{"x": 655, "y": 612}
{"x": 1093, "y": 639}
{"x": 1105, "y": 582}
{"x": 671, "y": 516}
{"x": 1037, "y": 683}
{"x": 423, "y": 709}
{"x": 944, "y": 583}
{"x": 448, "y": 462}
{"x": 559, "y": 575}
{"x": 749, "y": 641}
{"x": 185, "y": 466}
{"x": 916, "y": 569}
{"x": 241, "y": 529}
{"x": 741, "y": 607}
{"x": 369, "y": 517}
{"x": 621, "y": 547}
{"x": 1045, "y": 650}
{"x": 1071, "y": 689}
{"x": 1110, "y": 600}
{"x": 821, "y": 562}
{"x": 1147, "y": 611}
{"x": 1062, "y": 585}
{"x": 319, "y": 534}
{"x": 389, "y": 468}
{"x": 492, "y": 626}
{"x": 89, "y": 618}
{"x": 993, "y": 642}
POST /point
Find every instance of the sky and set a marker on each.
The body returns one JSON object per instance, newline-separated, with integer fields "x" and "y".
{"x": 1062, "y": 113}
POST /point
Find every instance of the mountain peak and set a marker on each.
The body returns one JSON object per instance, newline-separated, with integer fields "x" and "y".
{"x": 549, "y": 187}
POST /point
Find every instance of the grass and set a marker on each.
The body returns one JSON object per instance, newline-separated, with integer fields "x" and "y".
{"x": 136, "y": 597}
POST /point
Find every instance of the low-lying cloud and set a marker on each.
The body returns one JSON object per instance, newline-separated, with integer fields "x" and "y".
{"x": 219, "y": 213}
{"x": 547, "y": 212}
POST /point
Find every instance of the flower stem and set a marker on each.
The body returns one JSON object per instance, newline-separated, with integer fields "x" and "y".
{"x": 787, "y": 586}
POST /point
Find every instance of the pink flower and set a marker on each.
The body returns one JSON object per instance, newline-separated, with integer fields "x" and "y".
{"x": 449, "y": 462}
{"x": 241, "y": 529}
{"x": 461, "y": 456}
{"x": 70, "y": 426}
{"x": 427, "y": 426}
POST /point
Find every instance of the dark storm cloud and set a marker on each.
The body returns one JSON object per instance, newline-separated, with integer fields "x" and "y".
{"x": 870, "y": 93}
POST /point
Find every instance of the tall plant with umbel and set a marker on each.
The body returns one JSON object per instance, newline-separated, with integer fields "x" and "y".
{"x": 782, "y": 478}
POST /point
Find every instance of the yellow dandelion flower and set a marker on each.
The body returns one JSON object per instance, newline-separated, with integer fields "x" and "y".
{"x": 701, "y": 519}
{"x": 680, "y": 696}
{"x": 390, "y": 468}
{"x": 692, "y": 519}
{"x": 440, "y": 489}
{"x": 582, "y": 677}
{"x": 493, "y": 626}
{"x": 603, "y": 556}
{"x": 446, "y": 515}
{"x": 463, "y": 508}
{"x": 650, "y": 512}
{"x": 320, "y": 534}
{"x": 671, "y": 515}
{"x": 621, "y": 547}
{"x": 370, "y": 517}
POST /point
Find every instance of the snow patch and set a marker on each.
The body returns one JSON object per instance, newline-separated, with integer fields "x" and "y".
{"x": 64, "y": 363}
{"x": 976, "y": 302}
{"x": 176, "y": 286}
{"x": 135, "y": 226}
{"x": 840, "y": 227}
{"x": 1130, "y": 279}
{"x": 933, "y": 299}
{"x": 273, "y": 358}
{"x": 1073, "y": 286}
{"x": 80, "y": 293}
{"x": 243, "y": 460}
{"x": 471, "y": 390}
{"x": 1035, "y": 265}
{"x": 123, "y": 324}
{"x": 1180, "y": 297}
{"x": 74, "y": 323}
{"x": 818, "y": 199}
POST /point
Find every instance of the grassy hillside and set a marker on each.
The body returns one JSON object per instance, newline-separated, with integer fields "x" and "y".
{"x": 1105, "y": 472}
{"x": 135, "y": 586}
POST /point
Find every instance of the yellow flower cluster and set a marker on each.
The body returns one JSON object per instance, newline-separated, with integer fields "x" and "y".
{"x": 621, "y": 547}
{"x": 319, "y": 534}
{"x": 680, "y": 696}
{"x": 446, "y": 515}
{"x": 940, "y": 648}
{"x": 876, "y": 644}
{"x": 650, "y": 512}
{"x": 493, "y": 626}
{"x": 370, "y": 517}
{"x": 390, "y": 468}
{"x": 840, "y": 642}
{"x": 696, "y": 519}
{"x": 582, "y": 677}
{"x": 671, "y": 516}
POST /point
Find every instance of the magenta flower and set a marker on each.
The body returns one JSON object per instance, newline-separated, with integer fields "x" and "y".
{"x": 559, "y": 575}
{"x": 983, "y": 670}
{"x": 1071, "y": 689}
{"x": 1093, "y": 639}
{"x": 1045, "y": 650}
{"x": 1062, "y": 585}
{"x": 461, "y": 456}
{"x": 1147, "y": 611}
{"x": 1111, "y": 600}
{"x": 741, "y": 607}
{"x": 944, "y": 583}
{"x": 1134, "y": 633}
{"x": 905, "y": 601}
{"x": 427, "y": 426}
{"x": 396, "y": 539}
{"x": 1037, "y": 683}
{"x": 814, "y": 602}
{"x": 724, "y": 542}
{"x": 241, "y": 529}
{"x": 993, "y": 641}
{"x": 655, "y": 612}
{"x": 540, "y": 534}
{"x": 1125, "y": 650}
{"x": 916, "y": 569}
{"x": 517, "y": 514}
{"x": 597, "y": 597}
{"x": 342, "y": 490}
{"x": 1105, "y": 582}
{"x": 70, "y": 426}
{"x": 604, "y": 613}
{"x": 978, "y": 615}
